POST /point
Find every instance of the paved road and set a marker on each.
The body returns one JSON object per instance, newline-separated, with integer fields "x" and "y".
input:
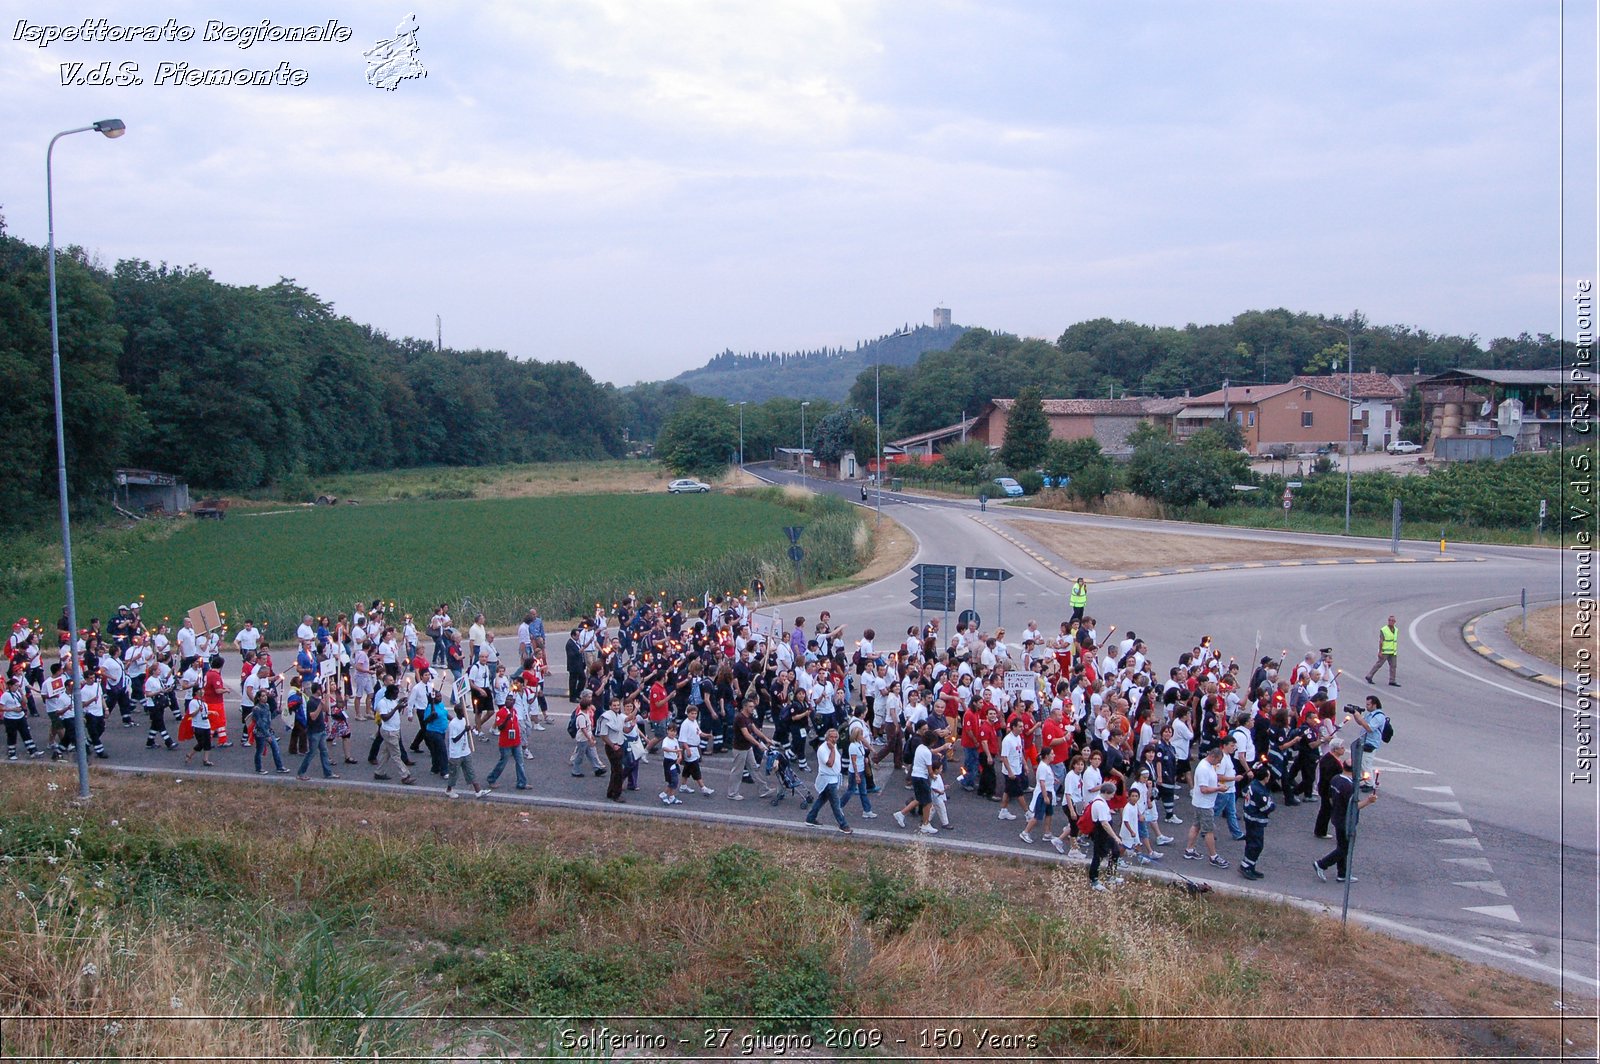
{"x": 1478, "y": 845}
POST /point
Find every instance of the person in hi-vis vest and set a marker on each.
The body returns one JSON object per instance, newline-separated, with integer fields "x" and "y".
{"x": 1078, "y": 598}
{"x": 1388, "y": 647}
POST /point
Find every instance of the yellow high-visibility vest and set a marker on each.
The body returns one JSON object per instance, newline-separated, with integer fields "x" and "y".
{"x": 1389, "y": 639}
{"x": 1079, "y": 597}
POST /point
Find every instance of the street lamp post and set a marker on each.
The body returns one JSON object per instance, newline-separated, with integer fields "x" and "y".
{"x": 1350, "y": 410}
{"x": 112, "y": 128}
{"x": 741, "y": 437}
{"x": 803, "y": 444}
{"x": 877, "y": 421}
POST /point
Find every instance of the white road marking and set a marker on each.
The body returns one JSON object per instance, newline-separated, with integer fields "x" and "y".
{"x": 1453, "y": 825}
{"x": 1468, "y": 843}
{"x": 1404, "y": 770}
{"x": 1477, "y": 864}
{"x": 1443, "y": 807}
{"x": 1305, "y": 637}
{"x": 1411, "y": 631}
{"x": 1327, "y": 605}
{"x": 1488, "y": 886}
{"x": 1499, "y": 912}
{"x": 1435, "y": 790}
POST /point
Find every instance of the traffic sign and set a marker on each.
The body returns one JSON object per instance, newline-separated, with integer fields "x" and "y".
{"x": 793, "y": 532}
{"x": 969, "y": 618}
{"x": 974, "y": 573}
{"x": 1295, "y": 484}
{"x": 795, "y": 554}
{"x": 934, "y": 587}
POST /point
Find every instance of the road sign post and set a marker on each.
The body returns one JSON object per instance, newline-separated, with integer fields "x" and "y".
{"x": 1394, "y": 529}
{"x": 999, "y": 576}
{"x": 933, "y": 587}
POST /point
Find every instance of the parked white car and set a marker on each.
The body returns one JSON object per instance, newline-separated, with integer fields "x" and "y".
{"x": 688, "y": 485}
{"x": 1404, "y": 447}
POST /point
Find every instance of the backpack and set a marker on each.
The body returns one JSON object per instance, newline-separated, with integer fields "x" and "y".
{"x": 572, "y": 725}
{"x": 1388, "y": 729}
{"x": 1086, "y": 819}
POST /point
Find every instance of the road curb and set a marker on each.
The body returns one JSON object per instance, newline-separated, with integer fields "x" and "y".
{"x": 1214, "y": 568}
{"x": 1469, "y": 633}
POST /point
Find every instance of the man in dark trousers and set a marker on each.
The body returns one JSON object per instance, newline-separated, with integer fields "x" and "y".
{"x": 1342, "y": 791}
{"x": 1258, "y": 807}
{"x": 575, "y": 666}
{"x": 1328, "y": 768}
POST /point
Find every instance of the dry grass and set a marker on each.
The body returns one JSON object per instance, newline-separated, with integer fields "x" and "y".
{"x": 1114, "y": 550}
{"x": 1549, "y": 634}
{"x": 913, "y": 932}
{"x": 1117, "y": 504}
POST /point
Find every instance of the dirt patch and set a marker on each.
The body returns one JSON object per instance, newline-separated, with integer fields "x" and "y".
{"x": 1549, "y": 633}
{"x": 1117, "y": 551}
{"x": 566, "y": 479}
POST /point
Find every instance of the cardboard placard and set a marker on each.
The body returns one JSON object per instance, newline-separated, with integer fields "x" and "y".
{"x": 205, "y": 618}
{"x": 463, "y": 690}
{"x": 329, "y": 669}
{"x": 1023, "y": 685}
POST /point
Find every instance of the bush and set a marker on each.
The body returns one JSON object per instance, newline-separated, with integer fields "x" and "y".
{"x": 1032, "y": 482}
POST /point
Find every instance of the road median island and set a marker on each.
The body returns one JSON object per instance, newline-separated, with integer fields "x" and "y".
{"x": 1118, "y": 551}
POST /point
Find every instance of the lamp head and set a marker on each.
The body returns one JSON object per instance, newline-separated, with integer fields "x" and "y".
{"x": 111, "y": 127}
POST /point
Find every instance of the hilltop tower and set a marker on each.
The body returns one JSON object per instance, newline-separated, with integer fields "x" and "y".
{"x": 941, "y": 317}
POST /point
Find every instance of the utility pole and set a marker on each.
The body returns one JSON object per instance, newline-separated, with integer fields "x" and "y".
{"x": 803, "y": 445}
{"x": 438, "y": 333}
{"x": 877, "y": 419}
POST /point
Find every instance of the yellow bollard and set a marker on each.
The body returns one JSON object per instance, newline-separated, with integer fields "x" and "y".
{"x": 1441, "y": 544}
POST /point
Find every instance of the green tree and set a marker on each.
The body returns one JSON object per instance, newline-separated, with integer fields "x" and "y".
{"x": 835, "y": 434}
{"x": 968, "y": 457}
{"x": 1027, "y": 432}
{"x": 1088, "y": 473}
{"x": 1411, "y": 427}
{"x": 698, "y": 438}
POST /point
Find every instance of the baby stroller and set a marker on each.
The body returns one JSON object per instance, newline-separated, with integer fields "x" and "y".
{"x": 780, "y": 764}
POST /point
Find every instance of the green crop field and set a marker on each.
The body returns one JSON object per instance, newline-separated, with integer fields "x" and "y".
{"x": 561, "y": 554}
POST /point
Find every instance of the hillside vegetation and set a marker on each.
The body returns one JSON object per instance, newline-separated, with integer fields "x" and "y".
{"x": 360, "y": 924}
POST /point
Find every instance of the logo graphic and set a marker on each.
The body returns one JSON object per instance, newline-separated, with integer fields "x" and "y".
{"x": 395, "y": 60}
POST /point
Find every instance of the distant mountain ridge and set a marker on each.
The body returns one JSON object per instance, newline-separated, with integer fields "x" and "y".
{"x": 825, "y": 373}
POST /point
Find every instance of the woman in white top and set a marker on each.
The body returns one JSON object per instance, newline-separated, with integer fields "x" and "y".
{"x": 1072, "y": 798}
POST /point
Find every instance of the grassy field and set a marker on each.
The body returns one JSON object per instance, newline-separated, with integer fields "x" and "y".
{"x": 387, "y": 916}
{"x": 1298, "y": 521}
{"x": 560, "y": 553}
{"x": 480, "y": 482}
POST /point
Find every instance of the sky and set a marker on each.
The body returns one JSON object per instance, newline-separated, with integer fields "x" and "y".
{"x": 635, "y": 185}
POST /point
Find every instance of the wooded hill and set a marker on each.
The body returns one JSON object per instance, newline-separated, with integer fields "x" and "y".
{"x": 825, "y": 373}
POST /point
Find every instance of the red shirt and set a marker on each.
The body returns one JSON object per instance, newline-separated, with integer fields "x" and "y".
{"x": 659, "y": 703}
{"x": 214, "y": 688}
{"x": 988, "y": 738}
{"x": 1055, "y": 737}
{"x": 971, "y": 728}
{"x": 533, "y": 675}
{"x": 505, "y": 719}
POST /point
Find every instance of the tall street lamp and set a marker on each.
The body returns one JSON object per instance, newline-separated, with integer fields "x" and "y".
{"x": 740, "y": 405}
{"x": 1350, "y": 410}
{"x": 803, "y": 444}
{"x": 112, "y": 128}
{"x": 877, "y": 422}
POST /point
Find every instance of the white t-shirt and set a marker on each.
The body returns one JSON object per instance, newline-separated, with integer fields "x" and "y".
{"x": 11, "y": 705}
{"x": 458, "y": 733}
{"x": 922, "y": 762}
{"x": 689, "y": 739}
{"x": 1205, "y": 775}
{"x": 199, "y": 716}
{"x": 1011, "y": 753}
{"x": 186, "y": 640}
{"x": 382, "y": 705}
{"x": 247, "y": 639}
{"x": 670, "y": 749}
